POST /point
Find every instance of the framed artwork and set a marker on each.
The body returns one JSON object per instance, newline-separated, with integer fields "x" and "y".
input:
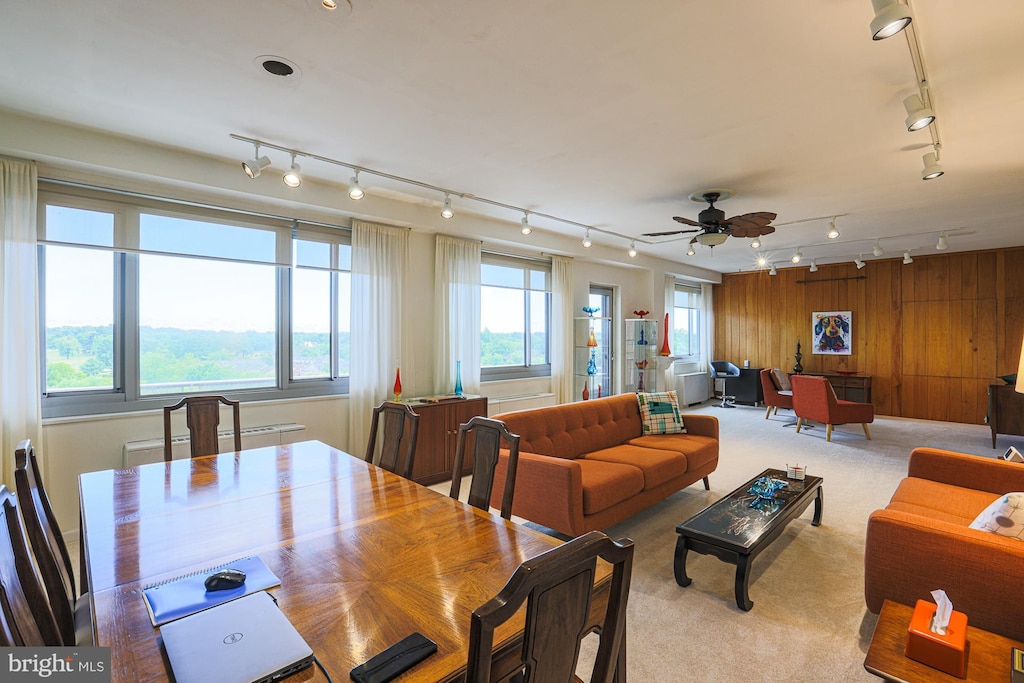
{"x": 832, "y": 333}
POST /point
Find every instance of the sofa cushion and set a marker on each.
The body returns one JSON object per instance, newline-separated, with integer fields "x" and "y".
{"x": 1005, "y": 516}
{"x": 939, "y": 501}
{"x": 658, "y": 466}
{"x": 699, "y": 450}
{"x": 660, "y": 413}
{"x": 607, "y": 483}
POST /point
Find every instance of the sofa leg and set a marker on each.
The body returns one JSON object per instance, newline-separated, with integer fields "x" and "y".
{"x": 707, "y": 484}
{"x": 828, "y": 432}
{"x": 867, "y": 433}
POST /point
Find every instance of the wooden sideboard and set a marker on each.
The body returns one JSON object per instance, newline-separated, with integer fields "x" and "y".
{"x": 851, "y": 387}
{"x": 439, "y": 435}
{"x": 1005, "y": 411}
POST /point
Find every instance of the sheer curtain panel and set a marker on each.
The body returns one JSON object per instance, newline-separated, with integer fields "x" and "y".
{"x": 457, "y": 297}
{"x": 20, "y": 391}
{"x": 380, "y": 256}
{"x": 562, "y": 317}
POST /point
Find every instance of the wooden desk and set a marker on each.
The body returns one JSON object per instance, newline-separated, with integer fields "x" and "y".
{"x": 851, "y": 387}
{"x": 1005, "y": 410}
{"x": 988, "y": 654}
{"x": 365, "y": 557}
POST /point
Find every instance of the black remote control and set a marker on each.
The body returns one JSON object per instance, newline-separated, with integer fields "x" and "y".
{"x": 400, "y": 657}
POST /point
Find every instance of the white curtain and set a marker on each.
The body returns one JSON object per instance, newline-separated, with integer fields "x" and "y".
{"x": 457, "y": 306}
{"x": 20, "y": 391}
{"x": 561, "y": 328}
{"x": 380, "y": 258}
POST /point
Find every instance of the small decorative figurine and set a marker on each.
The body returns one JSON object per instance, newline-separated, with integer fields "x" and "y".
{"x": 665, "y": 351}
{"x": 797, "y": 356}
{"x": 641, "y": 314}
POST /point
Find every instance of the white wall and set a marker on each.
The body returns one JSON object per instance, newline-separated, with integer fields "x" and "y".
{"x": 74, "y": 445}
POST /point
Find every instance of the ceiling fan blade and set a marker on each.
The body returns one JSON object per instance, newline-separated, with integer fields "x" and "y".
{"x": 751, "y": 224}
{"x": 686, "y": 221}
{"x": 670, "y": 232}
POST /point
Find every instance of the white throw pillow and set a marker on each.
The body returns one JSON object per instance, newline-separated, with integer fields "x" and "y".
{"x": 1005, "y": 516}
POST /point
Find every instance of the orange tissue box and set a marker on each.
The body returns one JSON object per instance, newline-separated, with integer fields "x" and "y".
{"x": 945, "y": 653}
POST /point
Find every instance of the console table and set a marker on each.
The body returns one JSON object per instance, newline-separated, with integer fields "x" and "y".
{"x": 851, "y": 387}
{"x": 1005, "y": 411}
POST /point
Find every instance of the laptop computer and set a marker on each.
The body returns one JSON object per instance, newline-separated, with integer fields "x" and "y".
{"x": 248, "y": 640}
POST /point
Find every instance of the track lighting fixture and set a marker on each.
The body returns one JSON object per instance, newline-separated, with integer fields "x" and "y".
{"x": 858, "y": 262}
{"x": 906, "y": 258}
{"x": 446, "y": 210}
{"x": 918, "y": 114}
{"x": 772, "y": 271}
{"x": 797, "y": 256}
{"x": 355, "y": 191}
{"x": 890, "y": 18}
{"x": 756, "y": 243}
{"x": 293, "y": 177}
{"x": 833, "y": 231}
{"x": 253, "y": 167}
{"x": 525, "y": 223}
{"x": 690, "y": 251}
{"x": 329, "y": 4}
{"x": 762, "y": 261}
{"x": 877, "y": 250}
{"x": 932, "y": 169}
{"x": 586, "y": 238}
{"x": 814, "y": 267}
{"x": 942, "y": 244}
{"x": 632, "y": 249}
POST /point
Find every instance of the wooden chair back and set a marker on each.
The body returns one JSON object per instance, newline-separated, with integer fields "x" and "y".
{"x": 47, "y": 542}
{"x": 557, "y": 587}
{"x": 202, "y": 415}
{"x": 25, "y": 617}
{"x": 395, "y": 417}
{"x": 487, "y": 435}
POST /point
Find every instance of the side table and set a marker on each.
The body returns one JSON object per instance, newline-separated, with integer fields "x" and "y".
{"x": 988, "y": 654}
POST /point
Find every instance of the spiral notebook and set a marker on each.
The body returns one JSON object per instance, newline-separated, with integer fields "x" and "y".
{"x": 185, "y": 595}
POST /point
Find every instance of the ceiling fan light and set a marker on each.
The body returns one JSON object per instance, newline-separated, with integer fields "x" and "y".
{"x": 918, "y": 115}
{"x": 712, "y": 239}
{"x": 932, "y": 169}
{"x": 890, "y": 18}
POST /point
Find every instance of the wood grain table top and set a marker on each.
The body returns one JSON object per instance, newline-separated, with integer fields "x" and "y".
{"x": 365, "y": 557}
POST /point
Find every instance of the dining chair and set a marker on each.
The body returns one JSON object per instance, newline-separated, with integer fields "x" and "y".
{"x": 25, "y": 617}
{"x": 202, "y": 415}
{"x": 486, "y": 435}
{"x": 557, "y": 587}
{"x": 775, "y": 396}
{"x": 70, "y": 610}
{"x": 395, "y": 417}
{"x": 814, "y": 399}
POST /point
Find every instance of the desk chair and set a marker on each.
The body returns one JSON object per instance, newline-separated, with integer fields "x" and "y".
{"x": 557, "y": 587}
{"x": 70, "y": 610}
{"x": 25, "y": 617}
{"x": 814, "y": 399}
{"x": 486, "y": 435}
{"x": 202, "y": 415}
{"x": 723, "y": 370}
{"x": 395, "y": 417}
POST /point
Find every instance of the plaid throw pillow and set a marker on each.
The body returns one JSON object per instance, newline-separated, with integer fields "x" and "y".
{"x": 660, "y": 413}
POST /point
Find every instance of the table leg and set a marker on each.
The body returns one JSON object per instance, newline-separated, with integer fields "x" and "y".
{"x": 742, "y": 577}
{"x": 679, "y": 566}
{"x": 819, "y": 507}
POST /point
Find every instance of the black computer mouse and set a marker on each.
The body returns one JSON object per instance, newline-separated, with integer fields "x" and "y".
{"x": 225, "y": 580}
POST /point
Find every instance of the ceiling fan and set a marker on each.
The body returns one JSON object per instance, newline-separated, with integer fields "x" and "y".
{"x": 713, "y": 227}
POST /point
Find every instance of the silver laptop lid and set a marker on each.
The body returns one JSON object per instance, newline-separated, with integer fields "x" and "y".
{"x": 248, "y": 640}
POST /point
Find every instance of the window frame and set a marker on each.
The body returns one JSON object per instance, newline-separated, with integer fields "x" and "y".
{"x": 692, "y": 289}
{"x": 497, "y": 373}
{"x": 125, "y": 396}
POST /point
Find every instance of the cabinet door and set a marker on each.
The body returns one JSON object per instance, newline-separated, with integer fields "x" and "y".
{"x": 432, "y": 463}
{"x": 460, "y": 413}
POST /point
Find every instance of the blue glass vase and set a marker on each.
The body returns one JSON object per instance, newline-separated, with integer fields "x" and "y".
{"x": 458, "y": 378}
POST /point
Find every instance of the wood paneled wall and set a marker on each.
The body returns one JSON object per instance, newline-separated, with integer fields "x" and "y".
{"x": 933, "y": 334}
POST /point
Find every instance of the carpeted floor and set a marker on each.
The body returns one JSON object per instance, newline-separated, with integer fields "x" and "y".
{"x": 809, "y": 622}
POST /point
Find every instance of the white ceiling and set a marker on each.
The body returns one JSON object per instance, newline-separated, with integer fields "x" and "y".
{"x": 607, "y": 114}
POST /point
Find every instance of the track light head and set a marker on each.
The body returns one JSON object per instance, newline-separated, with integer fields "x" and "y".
{"x": 906, "y": 258}
{"x": 877, "y": 250}
{"x": 632, "y": 249}
{"x": 446, "y": 210}
{"x": 833, "y": 231}
{"x": 814, "y": 267}
{"x": 890, "y": 18}
{"x": 329, "y": 4}
{"x": 355, "y": 190}
{"x": 858, "y": 263}
{"x": 918, "y": 115}
{"x": 772, "y": 271}
{"x": 932, "y": 169}
{"x": 293, "y": 176}
{"x": 756, "y": 244}
{"x": 942, "y": 244}
{"x": 762, "y": 261}
{"x": 525, "y": 229}
{"x": 253, "y": 167}
{"x": 690, "y": 251}
{"x": 797, "y": 256}
{"x": 586, "y": 238}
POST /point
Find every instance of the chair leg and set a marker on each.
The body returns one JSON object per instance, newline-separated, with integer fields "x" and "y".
{"x": 776, "y": 410}
{"x": 828, "y": 432}
{"x": 707, "y": 484}
{"x": 767, "y": 412}
{"x": 867, "y": 433}
{"x": 799, "y": 424}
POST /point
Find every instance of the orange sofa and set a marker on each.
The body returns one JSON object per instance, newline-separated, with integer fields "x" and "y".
{"x": 587, "y": 465}
{"x": 921, "y": 541}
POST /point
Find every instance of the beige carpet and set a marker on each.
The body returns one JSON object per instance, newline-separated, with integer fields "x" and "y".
{"x": 809, "y": 622}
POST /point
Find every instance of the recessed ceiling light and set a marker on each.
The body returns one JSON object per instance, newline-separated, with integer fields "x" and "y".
{"x": 280, "y": 67}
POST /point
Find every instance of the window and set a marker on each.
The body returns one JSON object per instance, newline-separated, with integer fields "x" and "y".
{"x": 144, "y": 300}
{"x": 686, "y": 302}
{"x": 515, "y": 315}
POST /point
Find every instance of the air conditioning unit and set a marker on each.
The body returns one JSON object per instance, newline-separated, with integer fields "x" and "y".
{"x": 692, "y": 388}
{"x": 152, "y": 450}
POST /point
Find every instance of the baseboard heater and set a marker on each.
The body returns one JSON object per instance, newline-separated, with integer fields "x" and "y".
{"x": 692, "y": 388}
{"x": 152, "y": 450}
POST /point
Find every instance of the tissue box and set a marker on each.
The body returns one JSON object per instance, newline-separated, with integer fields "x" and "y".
{"x": 945, "y": 653}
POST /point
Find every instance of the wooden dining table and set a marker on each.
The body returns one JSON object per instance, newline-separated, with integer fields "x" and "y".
{"x": 365, "y": 557}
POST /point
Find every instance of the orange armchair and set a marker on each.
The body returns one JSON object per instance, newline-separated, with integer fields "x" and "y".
{"x": 774, "y": 397}
{"x": 814, "y": 399}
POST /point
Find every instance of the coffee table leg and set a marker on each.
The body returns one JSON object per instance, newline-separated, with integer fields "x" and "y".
{"x": 679, "y": 566}
{"x": 742, "y": 577}
{"x": 819, "y": 507}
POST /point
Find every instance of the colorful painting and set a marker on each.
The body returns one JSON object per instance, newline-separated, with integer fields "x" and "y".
{"x": 832, "y": 333}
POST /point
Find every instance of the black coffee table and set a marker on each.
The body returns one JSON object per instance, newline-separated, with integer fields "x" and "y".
{"x": 735, "y": 532}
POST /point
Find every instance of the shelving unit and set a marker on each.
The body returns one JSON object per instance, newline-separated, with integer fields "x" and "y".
{"x": 592, "y": 362}
{"x": 641, "y": 354}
